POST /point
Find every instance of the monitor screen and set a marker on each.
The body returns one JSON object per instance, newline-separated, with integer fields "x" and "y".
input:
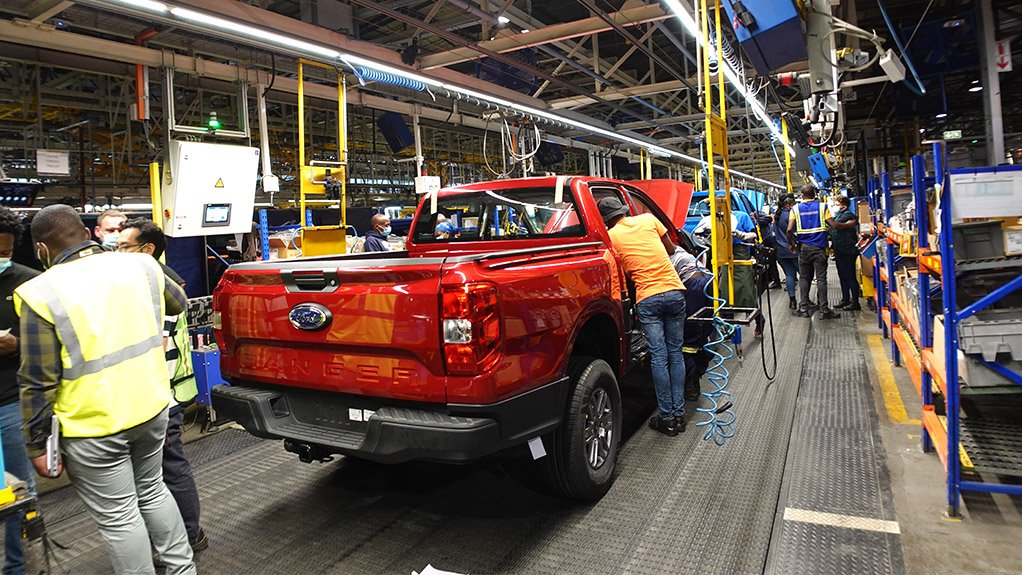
{"x": 216, "y": 215}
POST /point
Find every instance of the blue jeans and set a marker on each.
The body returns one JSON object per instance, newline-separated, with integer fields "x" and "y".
{"x": 15, "y": 461}
{"x": 790, "y": 267}
{"x": 662, "y": 319}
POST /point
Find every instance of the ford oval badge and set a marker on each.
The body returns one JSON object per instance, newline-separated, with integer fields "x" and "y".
{"x": 309, "y": 316}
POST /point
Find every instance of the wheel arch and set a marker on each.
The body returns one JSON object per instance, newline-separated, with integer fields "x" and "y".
{"x": 599, "y": 334}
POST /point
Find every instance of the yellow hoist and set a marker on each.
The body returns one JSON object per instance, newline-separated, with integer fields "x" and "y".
{"x": 323, "y": 182}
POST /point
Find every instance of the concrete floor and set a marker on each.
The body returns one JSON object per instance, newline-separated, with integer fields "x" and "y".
{"x": 985, "y": 540}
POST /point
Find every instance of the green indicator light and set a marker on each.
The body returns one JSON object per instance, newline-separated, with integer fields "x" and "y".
{"x": 214, "y": 122}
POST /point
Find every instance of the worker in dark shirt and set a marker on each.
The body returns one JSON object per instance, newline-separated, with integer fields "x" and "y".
{"x": 843, "y": 240}
{"x": 376, "y": 239}
{"x": 16, "y": 460}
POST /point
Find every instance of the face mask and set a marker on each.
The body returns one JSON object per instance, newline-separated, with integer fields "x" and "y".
{"x": 110, "y": 240}
{"x": 5, "y": 264}
{"x": 385, "y": 231}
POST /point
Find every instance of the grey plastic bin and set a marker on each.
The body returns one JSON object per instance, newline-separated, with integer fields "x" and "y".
{"x": 991, "y": 332}
{"x": 979, "y": 240}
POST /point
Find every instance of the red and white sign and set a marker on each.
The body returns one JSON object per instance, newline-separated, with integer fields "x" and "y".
{"x": 1003, "y": 61}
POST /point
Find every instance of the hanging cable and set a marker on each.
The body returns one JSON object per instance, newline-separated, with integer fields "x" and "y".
{"x": 486, "y": 159}
{"x": 273, "y": 74}
{"x": 773, "y": 337}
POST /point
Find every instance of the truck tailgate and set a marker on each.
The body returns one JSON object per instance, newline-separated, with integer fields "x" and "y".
{"x": 381, "y": 337}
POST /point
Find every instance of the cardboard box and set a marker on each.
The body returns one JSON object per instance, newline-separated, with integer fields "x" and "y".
{"x": 282, "y": 249}
{"x": 863, "y": 212}
{"x": 866, "y": 265}
{"x": 1013, "y": 240}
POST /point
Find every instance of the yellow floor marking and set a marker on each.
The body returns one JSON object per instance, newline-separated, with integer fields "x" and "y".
{"x": 892, "y": 397}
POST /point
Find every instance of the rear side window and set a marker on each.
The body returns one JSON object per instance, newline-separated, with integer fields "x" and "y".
{"x": 500, "y": 214}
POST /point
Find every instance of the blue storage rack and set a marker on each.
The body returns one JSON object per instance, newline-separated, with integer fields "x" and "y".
{"x": 937, "y": 434}
{"x": 265, "y": 228}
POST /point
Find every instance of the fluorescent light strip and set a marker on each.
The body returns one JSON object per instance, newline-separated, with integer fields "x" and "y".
{"x": 256, "y": 33}
{"x": 145, "y": 4}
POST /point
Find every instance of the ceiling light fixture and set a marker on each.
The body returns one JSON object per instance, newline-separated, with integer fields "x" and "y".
{"x": 234, "y": 30}
{"x": 502, "y": 19}
{"x": 255, "y": 33}
{"x": 145, "y": 4}
{"x": 976, "y": 89}
{"x": 941, "y": 115}
{"x": 525, "y": 30}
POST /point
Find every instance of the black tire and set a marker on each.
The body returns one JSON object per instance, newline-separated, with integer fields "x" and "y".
{"x": 574, "y": 467}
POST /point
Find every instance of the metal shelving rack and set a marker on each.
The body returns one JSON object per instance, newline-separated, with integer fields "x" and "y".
{"x": 969, "y": 446}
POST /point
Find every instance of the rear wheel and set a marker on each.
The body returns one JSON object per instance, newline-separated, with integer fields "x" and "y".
{"x": 583, "y": 451}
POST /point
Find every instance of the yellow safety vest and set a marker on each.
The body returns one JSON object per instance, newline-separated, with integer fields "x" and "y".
{"x": 182, "y": 374}
{"x": 114, "y": 374}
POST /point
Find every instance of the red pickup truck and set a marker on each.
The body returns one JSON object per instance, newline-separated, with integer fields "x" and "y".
{"x": 512, "y": 332}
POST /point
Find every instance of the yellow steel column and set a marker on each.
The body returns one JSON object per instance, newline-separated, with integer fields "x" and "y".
{"x": 342, "y": 152}
{"x": 155, "y": 193}
{"x": 722, "y": 127}
{"x": 787, "y": 154}
{"x": 711, "y": 183}
{"x": 301, "y": 141}
{"x": 156, "y": 197}
{"x": 716, "y": 144}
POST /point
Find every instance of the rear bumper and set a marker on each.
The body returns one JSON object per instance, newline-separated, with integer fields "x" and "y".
{"x": 316, "y": 424}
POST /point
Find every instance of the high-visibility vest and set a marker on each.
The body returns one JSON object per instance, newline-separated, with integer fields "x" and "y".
{"x": 810, "y": 220}
{"x": 810, "y": 223}
{"x": 114, "y": 374}
{"x": 179, "y": 363}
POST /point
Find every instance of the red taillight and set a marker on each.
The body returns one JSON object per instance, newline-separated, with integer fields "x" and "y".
{"x": 470, "y": 327}
{"x": 217, "y": 320}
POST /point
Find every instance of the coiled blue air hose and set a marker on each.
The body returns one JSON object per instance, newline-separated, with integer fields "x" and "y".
{"x": 719, "y": 419}
{"x": 366, "y": 74}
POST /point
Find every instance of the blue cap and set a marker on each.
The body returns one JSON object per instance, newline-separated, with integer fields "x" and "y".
{"x": 446, "y": 227}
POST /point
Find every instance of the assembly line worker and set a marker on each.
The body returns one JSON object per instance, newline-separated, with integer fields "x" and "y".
{"x": 16, "y": 460}
{"x": 92, "y": 354}
{"x": 108, "y": 227}
{"x": 643, "y": 246}
{"x": 843, "y": 240}
{"x": 808, "y": 225}
{"x": 785, "y": 256}
{"x": 696, "y": 332}
{"x": 143, "y": 236}
{"x": 376, "y": 238}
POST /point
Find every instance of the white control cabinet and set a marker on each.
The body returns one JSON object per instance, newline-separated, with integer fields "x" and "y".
{"x": 208, "y": 189}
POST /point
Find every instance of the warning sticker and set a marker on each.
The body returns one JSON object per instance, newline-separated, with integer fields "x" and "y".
{"x": 219, "y": 183}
